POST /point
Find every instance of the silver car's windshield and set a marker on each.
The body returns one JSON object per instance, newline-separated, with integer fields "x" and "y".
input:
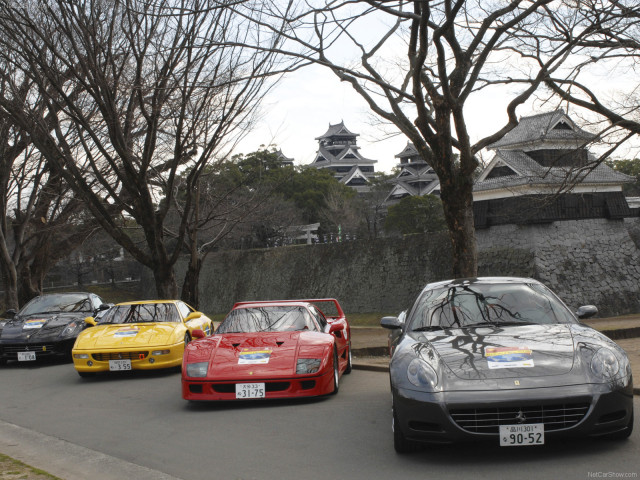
{"x": 63, "y": 302}
{"x": 476, "y": 304}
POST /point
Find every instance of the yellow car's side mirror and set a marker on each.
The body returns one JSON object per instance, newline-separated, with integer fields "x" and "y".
{"x": 193, "y": 316}
{"x": 90, "y": 321}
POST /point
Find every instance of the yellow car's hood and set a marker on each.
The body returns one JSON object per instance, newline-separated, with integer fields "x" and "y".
{"x": 129, "y": 335}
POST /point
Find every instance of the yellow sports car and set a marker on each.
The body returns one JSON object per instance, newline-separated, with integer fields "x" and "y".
{"x": 138, "y": 336}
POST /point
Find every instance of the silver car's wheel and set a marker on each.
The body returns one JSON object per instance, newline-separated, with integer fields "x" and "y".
{"x": 623, "y": 434}
{"x": 400, "y": 442}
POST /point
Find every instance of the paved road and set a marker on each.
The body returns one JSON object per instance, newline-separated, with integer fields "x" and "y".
{"x": 142, "y": 419}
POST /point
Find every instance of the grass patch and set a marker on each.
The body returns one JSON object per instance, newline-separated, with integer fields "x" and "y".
{"x": 11, "y": 468}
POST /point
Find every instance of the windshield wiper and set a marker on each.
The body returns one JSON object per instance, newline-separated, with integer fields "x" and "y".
{"x": 427, "y": 328}
{"x": 500, "y": 323}
{"x": 481, "y": 324}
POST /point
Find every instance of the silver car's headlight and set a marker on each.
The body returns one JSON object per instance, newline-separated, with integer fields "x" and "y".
{"x": 422, "y": 375}
{"x": 605, "y": 363}
{"x": 70, "y": 329}
{"x": 197, "y": 369}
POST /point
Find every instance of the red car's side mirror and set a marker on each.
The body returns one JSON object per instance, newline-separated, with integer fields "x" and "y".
{"x": 197, "y": 333}
{"x": 336, "y": 327}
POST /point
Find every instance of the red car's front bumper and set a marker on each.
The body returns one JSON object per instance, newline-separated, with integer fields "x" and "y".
{"x": 307, "y": 386}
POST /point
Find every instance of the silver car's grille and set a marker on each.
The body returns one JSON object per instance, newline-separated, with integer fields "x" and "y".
{"x": 487, "y": 420}
{"x": 39, "y": 348}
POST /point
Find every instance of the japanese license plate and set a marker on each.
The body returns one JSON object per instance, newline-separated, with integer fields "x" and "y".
{"x": 26, "y": 356}
{"x": 119, "y": 365}
{"x": 250, "y": 390}
{"x": 518, "y": 435}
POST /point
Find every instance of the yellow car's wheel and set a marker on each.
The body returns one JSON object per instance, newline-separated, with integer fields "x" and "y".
{"x": 187, "y": 339}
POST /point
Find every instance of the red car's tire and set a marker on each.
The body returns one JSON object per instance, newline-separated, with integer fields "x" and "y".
{"x": 336, "y": 373}
{"x": 349, "y": 359}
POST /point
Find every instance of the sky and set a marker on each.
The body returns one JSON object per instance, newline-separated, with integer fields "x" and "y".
{"x": 302, "y": 106}
{"x": 305, "y": 102}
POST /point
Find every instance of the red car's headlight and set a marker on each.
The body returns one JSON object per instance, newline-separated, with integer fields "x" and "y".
{"x": 308, "y": 365}
{"x": 197, "y": 369}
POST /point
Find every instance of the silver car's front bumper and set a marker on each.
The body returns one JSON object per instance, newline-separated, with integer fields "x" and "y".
{"x": 444, "y": 417}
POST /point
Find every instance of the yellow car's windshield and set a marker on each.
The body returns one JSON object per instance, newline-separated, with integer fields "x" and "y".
{"x": 142, "y": 313}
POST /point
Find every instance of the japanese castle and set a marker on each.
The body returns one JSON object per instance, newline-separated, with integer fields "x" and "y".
{"x": 542, "y": 172}
{"x": 338, "y": 151}
{"x": 416, "y": 177}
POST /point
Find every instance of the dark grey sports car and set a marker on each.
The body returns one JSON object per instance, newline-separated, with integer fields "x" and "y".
{"x": 503, "y": 359}
{"x": 47, "y": 325}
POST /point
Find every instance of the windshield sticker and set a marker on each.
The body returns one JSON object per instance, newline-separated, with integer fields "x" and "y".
{"x": 250, "y": 356}
{"x": 509, "y": 357}
{"x": 34, "y": 324}
{"x": 126, "y": 332}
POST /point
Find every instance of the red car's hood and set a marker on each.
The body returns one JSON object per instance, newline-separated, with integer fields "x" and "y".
{"x": 252, "y": 356}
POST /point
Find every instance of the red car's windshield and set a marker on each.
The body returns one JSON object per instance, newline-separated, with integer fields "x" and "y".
{"x": 267, "y": 319}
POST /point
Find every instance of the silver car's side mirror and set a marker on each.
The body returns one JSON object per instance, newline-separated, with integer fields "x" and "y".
{"x": 586, "y": 311}
{"x": 392, "y": 323}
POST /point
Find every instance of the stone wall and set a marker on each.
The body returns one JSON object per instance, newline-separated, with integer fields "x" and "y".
{"x": 380, "y": 276}
{"x": 591, "y": 261}
{"x": 585, "y": 262}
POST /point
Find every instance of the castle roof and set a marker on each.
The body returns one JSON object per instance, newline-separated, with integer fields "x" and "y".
{"x": 338, "y": 130}
{"x": 409, "y": 151}
{"x": 520, "y": 169}
{"x": 544, "y": 127}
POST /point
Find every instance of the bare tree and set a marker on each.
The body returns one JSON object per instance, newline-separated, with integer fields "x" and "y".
{"x": 40, "y": 218}
{"x": 149, "y": 88}
{"x": 605, "y": 43}
{"x": 454, "y": 51}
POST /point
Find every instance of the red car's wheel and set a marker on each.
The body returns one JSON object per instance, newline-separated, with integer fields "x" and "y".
{"x": 349, "y": 359}
{"x": 336, "y": 373}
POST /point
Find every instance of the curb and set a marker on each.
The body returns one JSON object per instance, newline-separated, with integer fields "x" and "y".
{"x": 370, "y": 368}
{"x": 622, "y": 333}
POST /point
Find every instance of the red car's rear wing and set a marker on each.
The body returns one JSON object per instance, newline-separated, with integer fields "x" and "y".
{"x": 338, "y": 309}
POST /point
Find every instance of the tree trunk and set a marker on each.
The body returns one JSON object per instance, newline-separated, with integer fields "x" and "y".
{"x": 27, "y": 287}
{"x": 165, "y": 278}
{"x": 10, "y": 278}
{"x": 190, "y": 285}
{"x": 457, "y": 202}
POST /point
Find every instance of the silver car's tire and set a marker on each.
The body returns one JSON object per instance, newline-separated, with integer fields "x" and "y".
{"x": 400, "y": 443}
